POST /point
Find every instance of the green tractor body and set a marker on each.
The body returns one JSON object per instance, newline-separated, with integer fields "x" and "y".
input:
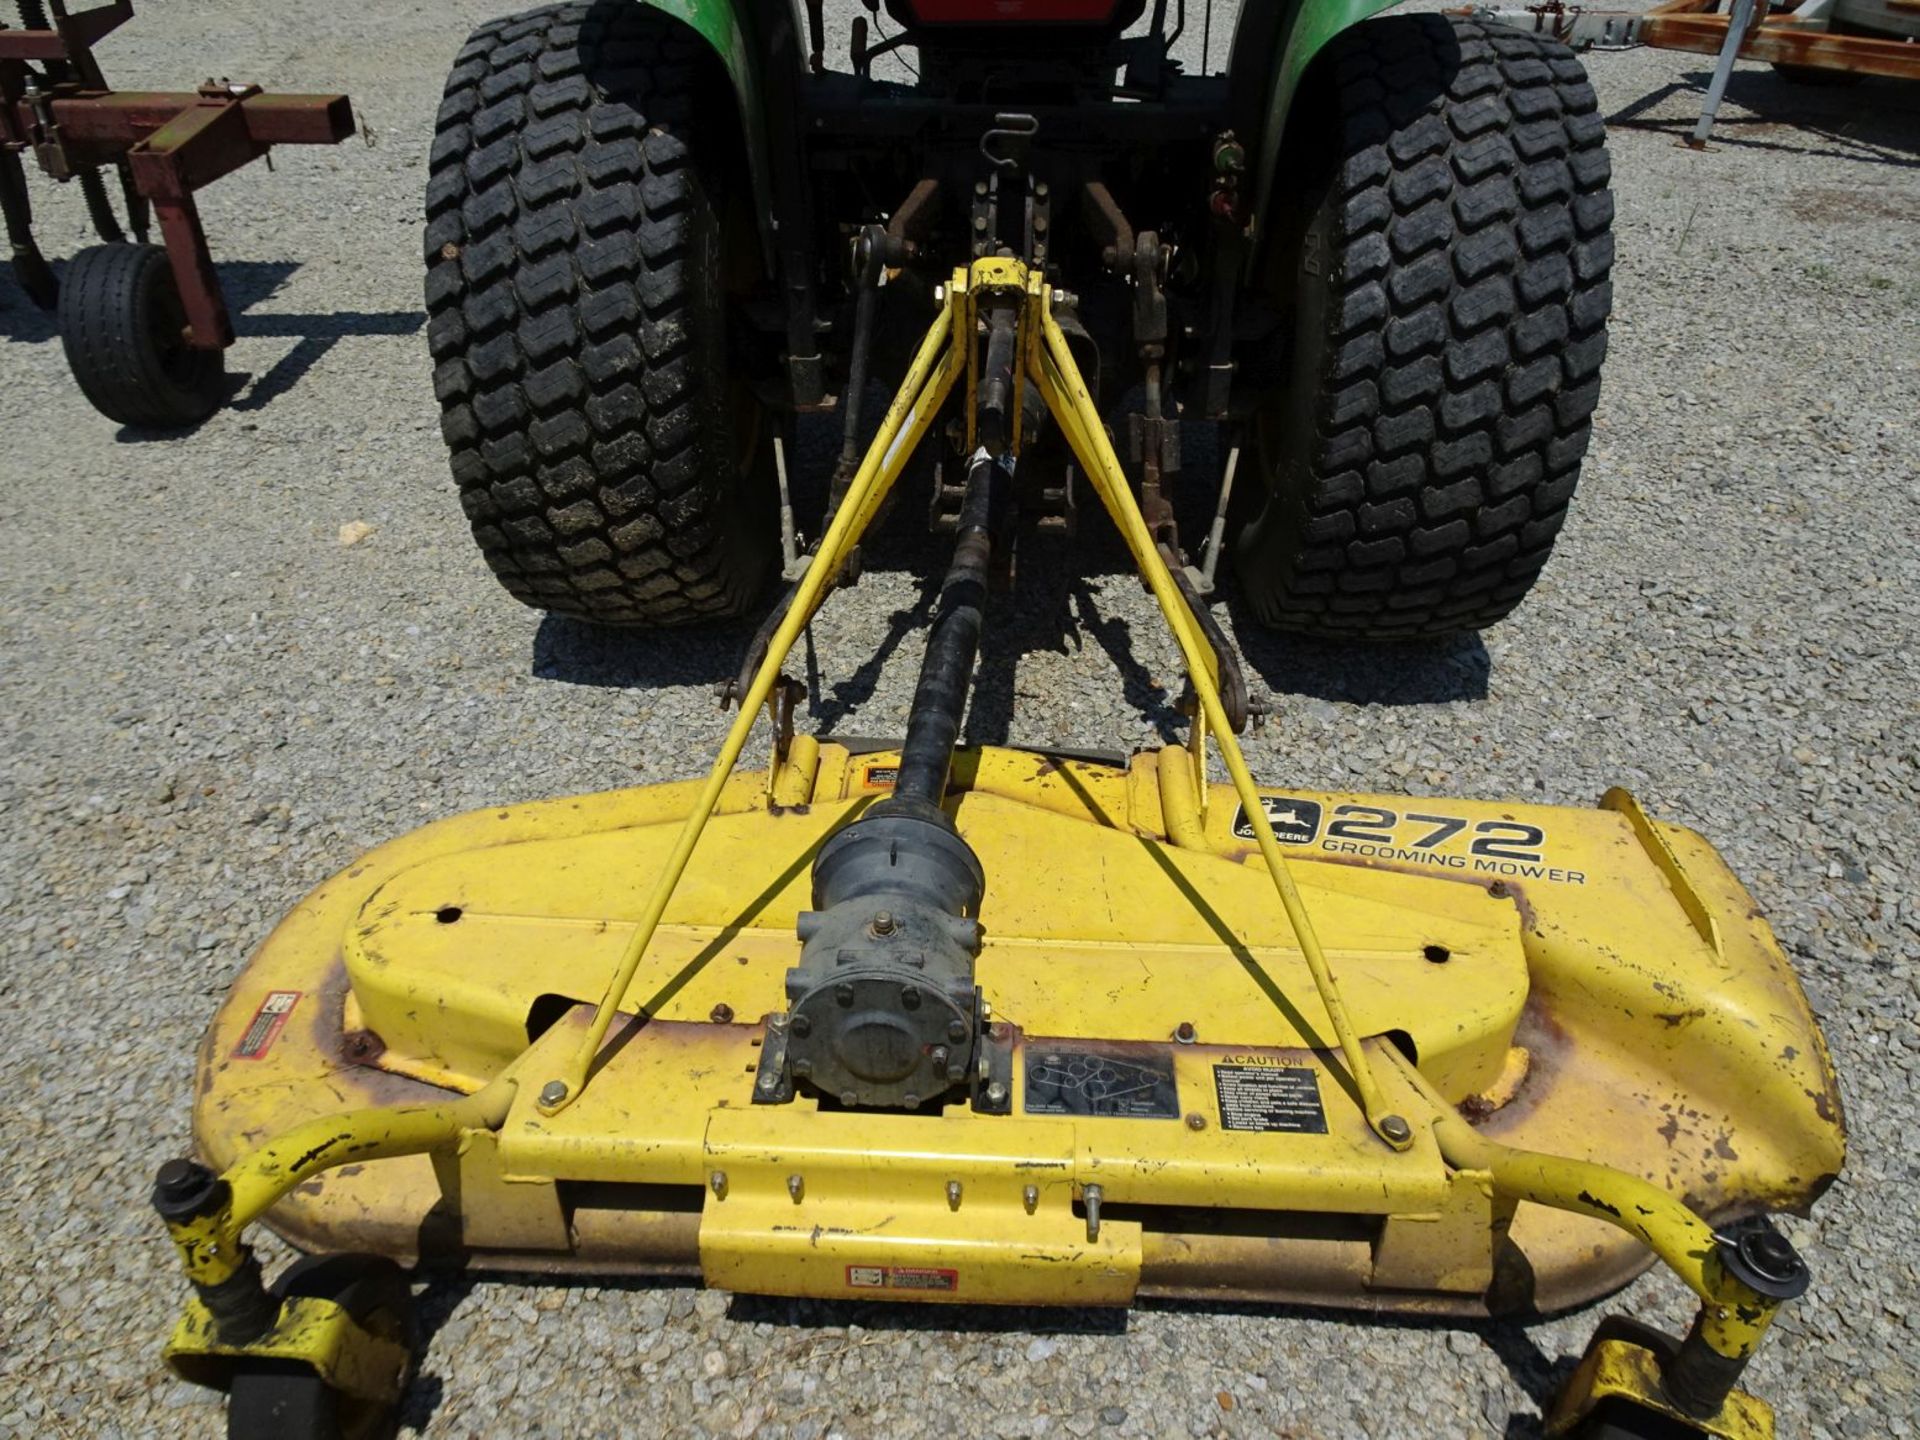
{"x": 1374, "y": 250}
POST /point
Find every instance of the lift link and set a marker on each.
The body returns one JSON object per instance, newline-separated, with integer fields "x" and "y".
{"x": 929, "y": 380}
{"x": 233, "y": 1316}
{"x": 1052, "y": 367}
{"x": 987, "y": 293}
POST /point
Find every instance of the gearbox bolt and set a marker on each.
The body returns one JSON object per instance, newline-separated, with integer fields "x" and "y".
{"x": 883, "y": 922}
{"x": 801, "y": 1026}
{"x": 843, "y": 994}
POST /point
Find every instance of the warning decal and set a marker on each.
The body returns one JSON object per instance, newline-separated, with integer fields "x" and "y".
{"x": 880, "y": 777}
{"x": 1129, "y": 1082}
{"x": 901, "y": 1277}
{"x": 268, "y": 1021}
{"x": 1282, "y": 1099}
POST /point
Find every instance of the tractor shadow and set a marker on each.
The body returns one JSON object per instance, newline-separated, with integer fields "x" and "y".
{"x": 577, "y": 652}
{"x": 1432, "y": 672}
{"x": 247, "y": 283}
{"x": 1063, "y": 594}
{"x": 1533, "y": 1372}
{"x": 1871, "y": 120}
{"x": 21, "y": 321}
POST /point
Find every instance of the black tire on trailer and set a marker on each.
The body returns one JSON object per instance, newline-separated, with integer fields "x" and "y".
{"x": 1446, "y": 279}
{"x": 123, "y": 328}
{"x": 612, "y": 463}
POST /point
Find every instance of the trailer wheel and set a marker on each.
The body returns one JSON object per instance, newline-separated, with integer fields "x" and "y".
{"x": 284, "y": 1400}
{"x": 1446, "y": 278}
{"x": 611, "y": 462}
{"x": 123, "y": 328}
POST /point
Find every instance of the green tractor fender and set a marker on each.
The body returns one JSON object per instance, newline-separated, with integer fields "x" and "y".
{"x": 726, "y": 31}
{"x": 1273, "y": 45}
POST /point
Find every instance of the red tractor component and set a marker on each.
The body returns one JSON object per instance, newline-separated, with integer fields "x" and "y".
{"x": 143, "y": 325}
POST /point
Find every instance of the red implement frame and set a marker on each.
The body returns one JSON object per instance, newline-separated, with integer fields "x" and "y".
{"x": 173, "y": 143}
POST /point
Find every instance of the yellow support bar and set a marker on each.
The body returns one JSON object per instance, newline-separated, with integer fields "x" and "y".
{"x": 1079, "y": 420}
{"x": 913, "y": 409}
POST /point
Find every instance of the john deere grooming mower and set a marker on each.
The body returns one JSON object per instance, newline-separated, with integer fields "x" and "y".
{"x": 954, "y": 1024}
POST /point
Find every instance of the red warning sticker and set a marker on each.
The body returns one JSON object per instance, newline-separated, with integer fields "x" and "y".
{"x": 880, "y": 777}
{"x": 901, "y": 1277}
{"x": 268, "y": 1021}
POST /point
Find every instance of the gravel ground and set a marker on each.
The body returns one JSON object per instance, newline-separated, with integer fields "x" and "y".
{"x": 211, "y": 704}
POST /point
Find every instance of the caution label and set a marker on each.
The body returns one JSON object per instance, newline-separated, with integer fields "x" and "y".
{"x": 1269, "y": 1098}
{"x": 267, "y": 1023}
{"x": 901, "y": 1277}
{"x": 880, "y": 777}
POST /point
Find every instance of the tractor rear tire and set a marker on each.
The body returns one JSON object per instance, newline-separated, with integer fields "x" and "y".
{"x": 611, "y": 463}
{"x": 123, "y": 328}
{"x": 1446, "y": 278}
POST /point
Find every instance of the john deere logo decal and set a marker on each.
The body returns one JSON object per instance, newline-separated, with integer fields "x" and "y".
{"x": 1294, "y": 822}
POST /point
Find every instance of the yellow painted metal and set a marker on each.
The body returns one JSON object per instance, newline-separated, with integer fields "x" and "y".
{"x": 310, "y": 1331}
{"x": 1652, "y": 1057}
{"x": 1585, "y": 983}
{"x": 1158, "y": 933}
{"x": 1074, "y": 412}
{"x": 1734, "y": 1316}
{"x": 1621, "y": 1370}
{"x": 357, "y": 1138}
{"x": 942, "y": 1216}
{"x": 1662, "y": 855}
{"x": 912, "y": 410}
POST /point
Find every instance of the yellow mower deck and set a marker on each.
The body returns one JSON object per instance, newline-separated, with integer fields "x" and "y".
{"x": 1184, "y": 1038}
{"x": 1586, "y": 983}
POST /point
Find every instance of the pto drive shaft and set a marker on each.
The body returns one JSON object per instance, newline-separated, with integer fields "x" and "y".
{"x": 884, "y": 1011}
